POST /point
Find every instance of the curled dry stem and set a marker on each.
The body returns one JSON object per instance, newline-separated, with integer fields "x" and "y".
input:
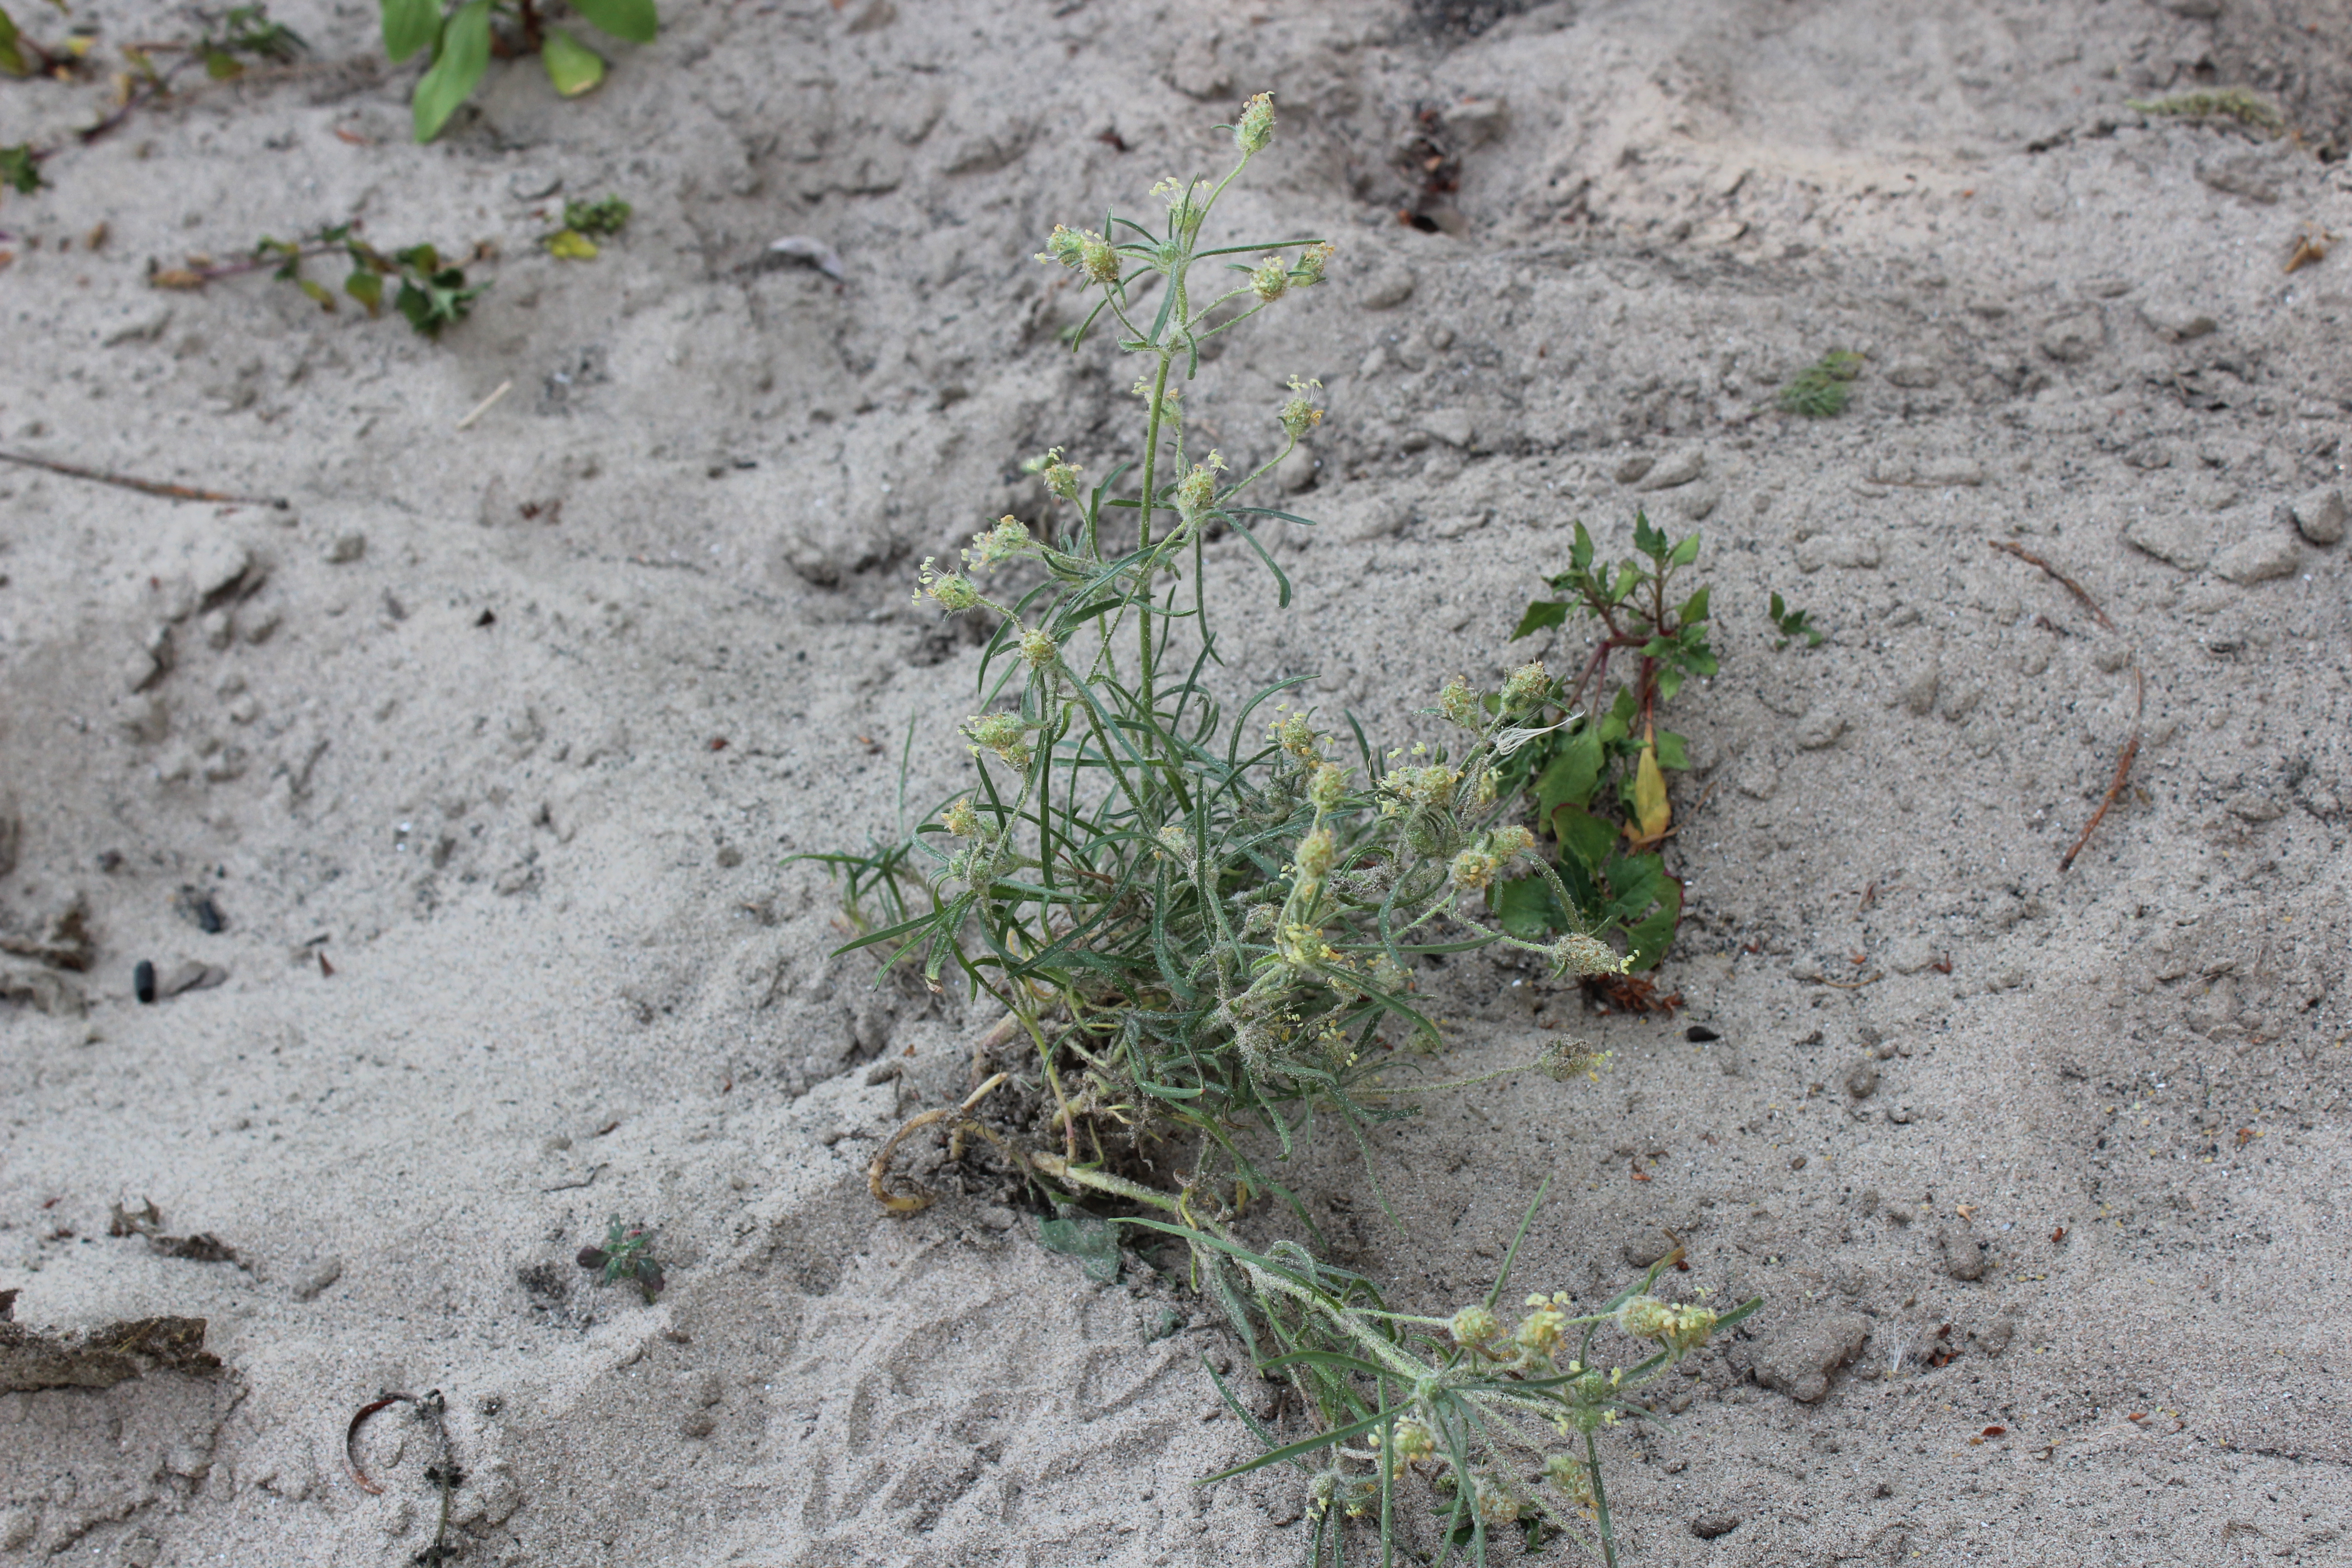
{"x": 878, "y": 1175}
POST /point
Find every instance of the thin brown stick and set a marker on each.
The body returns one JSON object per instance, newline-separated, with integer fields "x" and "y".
{"x": 351, "y": 1436}
{"x": 2123, "y": 770}
{"x": 144, "y": 486}
{"x": 878, "y": 1175}
{"x": 2063, "y": 581}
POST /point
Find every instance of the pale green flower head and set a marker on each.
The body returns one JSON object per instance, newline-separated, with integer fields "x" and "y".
{"x": 1198, "y": 490}
{"x": 1525, "y": 687}
{"x": 951, "y": 591}
{"x": 1577, "y": 953}
{"x": 1038, "y": 650}
{"x": 1299, "y": 415}
{"x": 1270, "y": 278}
{"x": 1460, "y": 704}
{"x": 1316, "y": 853}
{"x": 1060, "y": 478}
{"x": 1003, "y": 733}
{"x": 1255, "y": 127}
{"x": 1009, "y": 537}
{"x": 1475, "y": 1328}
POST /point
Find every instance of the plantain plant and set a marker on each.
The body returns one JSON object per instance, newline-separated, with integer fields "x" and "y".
{"x": 1204, "y": 917}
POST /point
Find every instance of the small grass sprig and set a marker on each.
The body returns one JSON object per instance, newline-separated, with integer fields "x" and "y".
{"x": 1822, "y": 388}
{"x": 1444, "y": 1414}
{"x": 1598, "y": 778}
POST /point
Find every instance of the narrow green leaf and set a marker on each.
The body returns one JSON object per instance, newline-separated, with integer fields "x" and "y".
{"x": 1685, "y": 552}
{"x": 1693, "y": 608}
{"x": 410, "y": 26}
{"x": 11, "y": 58}
{"x": 220, "y": 65}
{"x": 572, "y": 67}
{"x": 457, "y": 67}
{"x": 630, "y": 20}
{"x": 366, "y": 286}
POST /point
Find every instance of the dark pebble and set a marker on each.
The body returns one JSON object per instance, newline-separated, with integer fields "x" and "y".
{"x": 1707, "y": 1526}
{"x": 1700, "y": 1034}
{"x": 143, "y": 981}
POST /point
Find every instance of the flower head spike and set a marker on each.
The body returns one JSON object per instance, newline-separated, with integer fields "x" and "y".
{"x": 1175, "y": 843}
{"x": 1299, "y": 415}
{"x": 1543, "y": 1330}
{"x": 1644, "y": 1317}
{"x": 1525, "y": 687}
{"x": 1579, "y": 954}
{"x": 1314, "y": 854}
{"x": 1255, "y": 127}
{"x": 1413, "y": 1441}
{"x": 1003, "y": 733}
{"x": 1038, "y": 650}
{"x": 952, "y": 592}
{"x": 1311, "y": 262}
{"x": 1296, "y": 736}
{"x": 1475, "y": 1328}
{"x": 1060, "y": 478}
{"x": 1461, "y": 704}
{"x": 1270, "y": 278}
{"x": 1571, "y": 1057}
{"x": 1009, "y": 537}
{"x": 1328, "y": 788}
{"x": 961, "y": 820}
{"x": 1064, "y": 246}
{"x": 1084, "y": 251}
{"x": 1198, "y": 490}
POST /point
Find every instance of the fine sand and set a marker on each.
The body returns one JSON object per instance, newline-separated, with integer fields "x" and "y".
{"x": 486, "y": 755}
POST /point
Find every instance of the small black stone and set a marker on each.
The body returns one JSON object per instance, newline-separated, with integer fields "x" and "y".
{"x": 143, "y": 981}
{"x": 1700, "y": 1035}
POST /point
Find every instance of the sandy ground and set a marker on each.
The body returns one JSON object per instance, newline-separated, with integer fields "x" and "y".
{"x": 509, "y": 946}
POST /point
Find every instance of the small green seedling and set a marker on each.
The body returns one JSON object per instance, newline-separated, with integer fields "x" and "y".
{"x": 244, "y": 30}
{"x": 626, "y": 1255}
{"x": 247, "y": 30}
{"x": 1823, "y": 388}
{"x": 584, "y": 224}
{"x": 2247, "y": 109}
{"x": 460, "y": 46}
{"x": 1794, "y": 624}
{"x": 431, "y": 292}
{"x": 1598, "y": 779}
{"x": 20, "y": 169}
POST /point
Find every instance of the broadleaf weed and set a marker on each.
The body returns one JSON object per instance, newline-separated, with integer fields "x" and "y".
{"x": 1597, "y": 775}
